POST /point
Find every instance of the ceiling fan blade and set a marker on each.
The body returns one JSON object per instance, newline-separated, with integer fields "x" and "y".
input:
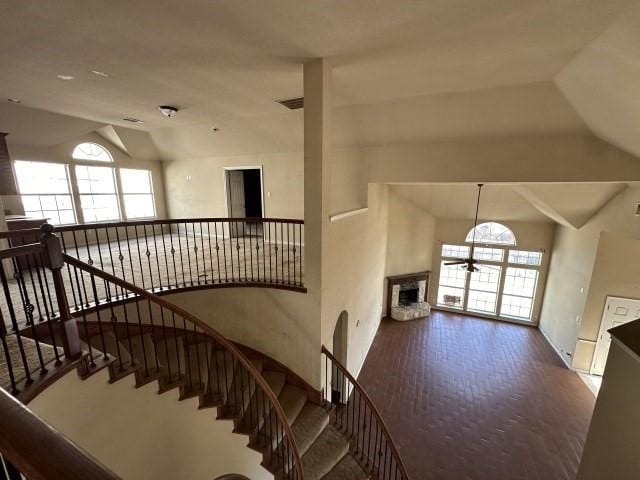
{"x": 459, "y": 261}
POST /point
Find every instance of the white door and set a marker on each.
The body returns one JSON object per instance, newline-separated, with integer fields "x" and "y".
{"x": 617, "y": 311}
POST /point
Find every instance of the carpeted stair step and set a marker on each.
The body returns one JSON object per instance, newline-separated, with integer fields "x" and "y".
{"x": 310, "y": 423}
{"x": 347, "y": 469}
{"x": 242, "y": 388}
{"x": 259, "y": 405}
{"x": 170, "y": 351}
{"x": 196, "y": 359}
{"x": 220, "y": 372}
{"x": 324, "y": 454}
{"x": 144, "y": 355}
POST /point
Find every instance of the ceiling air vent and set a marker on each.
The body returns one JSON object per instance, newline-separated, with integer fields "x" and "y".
{"x": 293, "y": 103}
{"x": 137, "y": 121}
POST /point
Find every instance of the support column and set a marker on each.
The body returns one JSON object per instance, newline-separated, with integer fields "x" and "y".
{"x": 317, "y": 130}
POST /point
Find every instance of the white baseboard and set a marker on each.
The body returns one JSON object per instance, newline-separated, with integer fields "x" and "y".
{"x": 555, "y": 349}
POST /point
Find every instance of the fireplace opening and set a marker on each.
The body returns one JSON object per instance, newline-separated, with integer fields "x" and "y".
{"x": 408, "y": 297}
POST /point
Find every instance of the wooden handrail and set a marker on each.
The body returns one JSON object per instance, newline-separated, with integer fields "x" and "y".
{"x": 38, "y": 451}
{"x": 237, "y": 354}
{"x": 21, "y": 250}
{"x": 373, "y": 408}
{"x": 172, "y": 221}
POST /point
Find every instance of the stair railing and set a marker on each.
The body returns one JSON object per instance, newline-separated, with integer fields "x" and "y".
{"x": 32, "y": 299}
{"x": 21, "y": 432}
{"x": 354, "y": 413}
{"x": 128, "y": 313}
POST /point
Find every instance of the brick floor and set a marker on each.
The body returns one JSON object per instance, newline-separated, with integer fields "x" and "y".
{"x": 466, "y": 398}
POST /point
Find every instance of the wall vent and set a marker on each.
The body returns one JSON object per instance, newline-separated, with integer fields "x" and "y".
{"x": 137, "y": 121}
{"x": 292, "y": 103}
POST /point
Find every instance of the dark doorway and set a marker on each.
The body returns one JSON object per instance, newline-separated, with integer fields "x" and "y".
{"x": 252, "y": 193}
{"x": 244, "y": 199}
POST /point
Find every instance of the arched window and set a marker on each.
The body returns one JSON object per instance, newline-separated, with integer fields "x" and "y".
{"x": 493, "y": 233}
{"x": 91, "y": 151}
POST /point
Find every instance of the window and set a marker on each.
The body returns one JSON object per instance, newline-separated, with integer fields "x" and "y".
{"x": 92, "y": 152}
{"x": 492, "y": 233}
{"x": 452, "y": 285}
{"x": 483, "y": 289}
{"x": 518, "y": 293}
{"x": 505, "y": 283}
{"x": 44, "y": 190}
{"x": 525, "y": 258}
{"x": 98, "y": 197}
{"x": 137, "y": 193}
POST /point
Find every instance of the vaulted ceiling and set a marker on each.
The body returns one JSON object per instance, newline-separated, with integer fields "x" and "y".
{"x": 403, "y": 72}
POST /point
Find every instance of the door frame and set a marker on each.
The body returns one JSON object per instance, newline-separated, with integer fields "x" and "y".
{"x": 603, "y": 329}
{"x": 226, "y": 191}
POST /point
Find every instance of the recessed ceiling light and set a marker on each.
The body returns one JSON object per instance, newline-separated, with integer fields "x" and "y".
{"x": 101, "y": 74}
{"x": 137, "y": 121}
{"x": 14, "y": 100}
{"x": 65, "y": 77}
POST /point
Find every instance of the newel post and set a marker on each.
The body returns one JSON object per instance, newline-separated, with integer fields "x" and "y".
{"x": 54, "y": 261}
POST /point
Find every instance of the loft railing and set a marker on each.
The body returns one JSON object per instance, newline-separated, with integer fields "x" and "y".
{"x": 22, "y": 433}
{"x": 160, "y": 256}
{"x": 354, "y": 413}
{"x": 184, "y": 352}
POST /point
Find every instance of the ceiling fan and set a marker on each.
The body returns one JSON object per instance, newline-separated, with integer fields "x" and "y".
{"x": 470, "y": 262}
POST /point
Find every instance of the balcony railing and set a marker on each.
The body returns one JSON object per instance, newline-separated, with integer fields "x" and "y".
{"x": 160, "y": 256}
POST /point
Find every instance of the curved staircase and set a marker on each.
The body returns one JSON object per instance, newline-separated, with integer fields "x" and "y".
{"x": 333, "y": 434}
{"x": 214, "y": 376}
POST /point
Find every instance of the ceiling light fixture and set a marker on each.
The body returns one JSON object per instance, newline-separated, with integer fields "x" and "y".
{"x": 168, "y": 110}
{"x": 100, "y": 73}
{"x": 215, "y": 129}
{"x": 14, "y": 100}
{"x": 65, "y": 77}
{"x": 137, "y": 121}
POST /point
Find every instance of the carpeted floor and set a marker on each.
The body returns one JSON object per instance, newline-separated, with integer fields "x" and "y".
{"x": 156, "y": 262}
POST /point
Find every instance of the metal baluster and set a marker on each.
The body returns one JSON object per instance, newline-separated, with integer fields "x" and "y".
{"x": 164, "y": 249}
{"x": 184, "y": 280}
{"x": 100, "y": 330}
{"x": 133, "y": 272}
{"x": 195, "y": 253}
{"x": 155, "y": 248}
{"x": 73, "y": 292}
{"x": 244, "y": 251}
{"x": 148, "y": 255}
{"x": 215, "y": 232}
{"x": 142, "y": 342}
{"x": 186, "y": 236}
{"x": 250, "y": 252}
{"x": 204, "y": 259}
{"x": 166, "y": 343}
{"x": 34, "y": 331}
{"x": 230, "y": 230}
{"x": 135, "y": 232}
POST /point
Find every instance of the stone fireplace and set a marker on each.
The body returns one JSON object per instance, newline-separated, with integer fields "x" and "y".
{"x": 406, "y": 296}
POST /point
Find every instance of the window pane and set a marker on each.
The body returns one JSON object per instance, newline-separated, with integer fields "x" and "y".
{"x": 491, "y": 254}
{"x": 39, "y": 177}
{"x": 45, "y": 192}
{"x": 491, "y": 232}
{"x": 455, "y": 251}
{"x": 518, "y": 307}
{"x": 520, "y": 281}
{"x": 525, "y": 258}
{"x": 91, "y": 151}
{"x": 95, "y": 179}
{"x": 99, "y": 208}
{"x": 138, "y": 206}
{"x": 519, "y": 290}
{"x": 483, "y": 289}
{"x": 135, "y": 181}
{"x": 451, "y": 285}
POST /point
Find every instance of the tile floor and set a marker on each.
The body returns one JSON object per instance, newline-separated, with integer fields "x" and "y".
{"x": 473, "y": 399}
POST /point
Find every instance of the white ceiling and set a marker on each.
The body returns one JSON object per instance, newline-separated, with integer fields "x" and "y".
{"x": 571, "y": 204}
{"x": 228, "y": 60}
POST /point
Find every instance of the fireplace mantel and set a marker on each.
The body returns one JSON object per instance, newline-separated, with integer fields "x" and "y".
{"x": 413, "y": 286}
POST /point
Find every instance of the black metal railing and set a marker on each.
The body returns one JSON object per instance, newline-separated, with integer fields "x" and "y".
{"x": 354, "y": 413}
{"x": 159, "y": 256}
{"x": 180, "y": 351}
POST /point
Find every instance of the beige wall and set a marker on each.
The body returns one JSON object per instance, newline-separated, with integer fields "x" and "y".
{"x": 529, "y": 236}
{"x": 62, "y": 154}
{"x": 195, "y": 187}
{"x": 612, "y": 445}
{"x": 141, "y": 435}
{"x": 564, "y": 320}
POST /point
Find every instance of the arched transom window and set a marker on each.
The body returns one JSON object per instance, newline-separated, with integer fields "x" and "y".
{"x": 92, "y": 152}
{"x": 492, "y": 233}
